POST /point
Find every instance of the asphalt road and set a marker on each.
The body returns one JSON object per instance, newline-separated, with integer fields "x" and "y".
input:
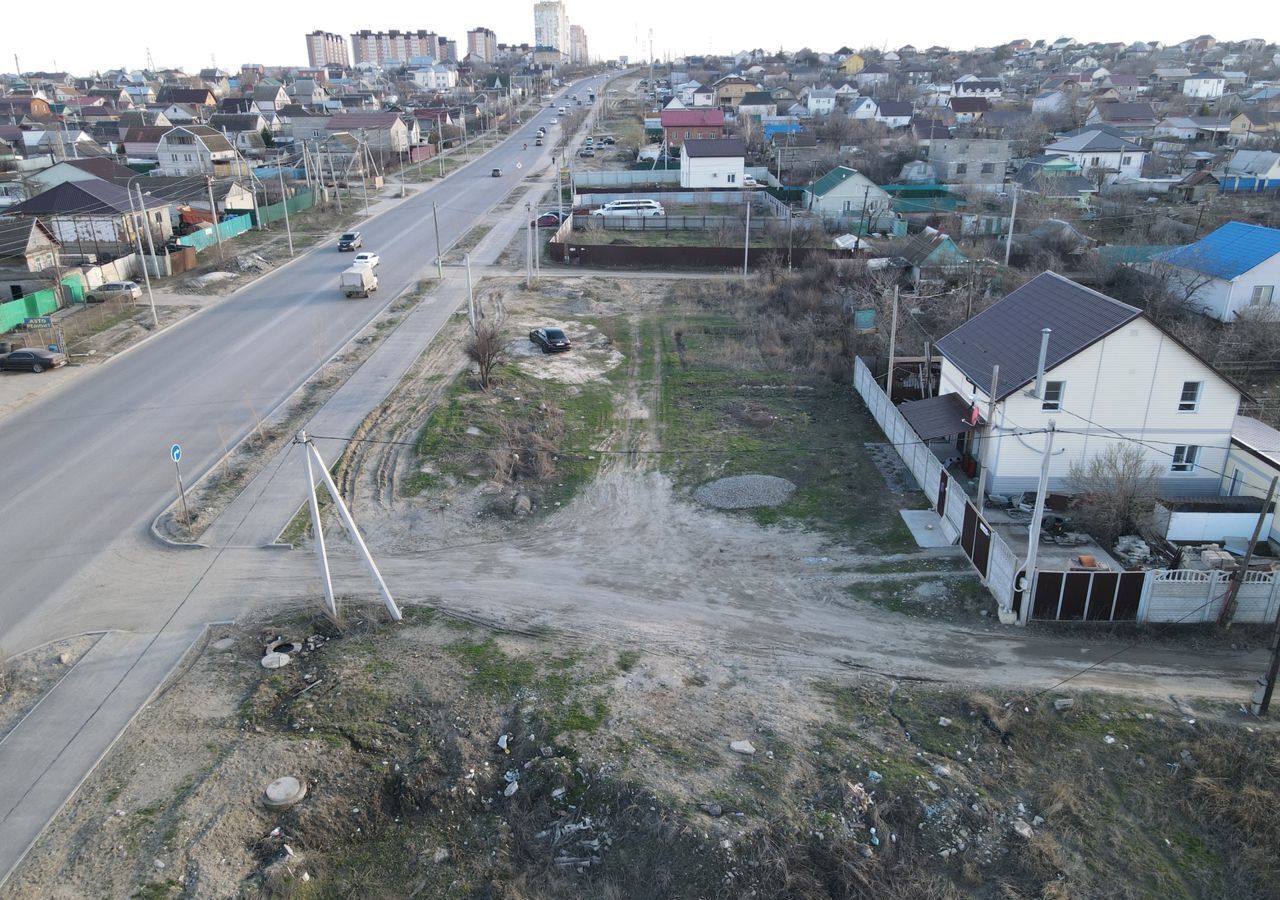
{"x": 89, "y": 464}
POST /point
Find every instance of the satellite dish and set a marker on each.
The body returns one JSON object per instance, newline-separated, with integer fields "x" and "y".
{"x": 519, "y": 165}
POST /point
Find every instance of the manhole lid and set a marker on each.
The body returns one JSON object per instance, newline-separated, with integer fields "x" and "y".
{"x": 275, "y": 660}
{"x": 284, "y": 792}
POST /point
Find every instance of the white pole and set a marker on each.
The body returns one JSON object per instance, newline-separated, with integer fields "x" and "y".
{"x": 354, "y": 533}
{"x": 893, "y": 340}
{"x": 151, "y": 252}
{"x": 331, "y": 605}
{"x": 146, "y": 271}
{"x": 284, "y": 201}
{"x": 1008, "y": 244}
{"x": 1033, "y": 532}
{"x": 471, "y": 298}
{"x": 985, "y": 451}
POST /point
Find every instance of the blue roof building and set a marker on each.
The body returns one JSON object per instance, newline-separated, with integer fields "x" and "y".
{"x": 1229, "y": 272}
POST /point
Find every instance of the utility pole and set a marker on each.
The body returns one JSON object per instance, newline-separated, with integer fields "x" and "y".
{"x": 402, "y": 174}
{"x": 471, "y": 297}
{"x": 528, "y": 251}
{"x": 1229, "y": 608}
{"x": 284, "y": 201}
{"x": 366, "y": 163}
{"x": 893, "y": 340}
{"x": 317, "y": 533}
{"x": 985, "y": 451}
{"x": 213, "y": 211}
{"x": 1033, "y": 532}
{"x": 1013, "y": 213}
{"x": 1263, "y": 703}
{"x": 746, "y": 241}
{"x": 151, "y": 251}
{"x": 435, "y": 218}
{"x": 866, "y": 193}
{"x": 146, "y": 270}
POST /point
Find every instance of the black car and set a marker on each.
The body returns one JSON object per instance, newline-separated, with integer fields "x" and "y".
{"x": 350, "y": 241}
{"x": 549, "y": 219}
{"x": 34, "y": 359}
{"x": 551, "y": 340}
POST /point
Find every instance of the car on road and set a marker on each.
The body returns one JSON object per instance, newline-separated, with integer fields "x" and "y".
{"x": 548, "y": 219}
{"x": 537, "y": 142}
{"x": 551, "y": 340}
{"x": 496, "y": 173}
{"x": 586, "y": 152}
{"x": 367, "y": 258}
{"x": 589, "y": 141}
{"x": 608, "y": 141}
{"x": 115, "y": 290}
{"x": 32, "y": 359}
{"x": 555, "y": 121}
{"x": 350, "y": 241}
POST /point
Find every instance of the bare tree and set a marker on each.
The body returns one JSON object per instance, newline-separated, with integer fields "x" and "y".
{"x": 486, "y": 349}
{"x": 1117, "y": 491}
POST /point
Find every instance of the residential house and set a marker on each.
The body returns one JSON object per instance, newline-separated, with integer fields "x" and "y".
{"x": 195, "y": 96}
{"x": 196, "y": 150}
{"x": 1253, "y": 461}
{"x": 853, "y": 64}
{"x": 309, "y": 93}
{"x": 846, "y": 194}
{"x": 93, "y": 218}
{"x": 216, "y": 80}
{"x": 821, "y": 101}
{"x": 270, "y": 97}
{"x": 27, "y": 244}
{"x": 1197, "y": 187}
{"x": 757, "y": 103}
{"x": 19, "y": 109}
{"x": 1250, "y": 170}
{"x": 1194, "y": 128}
{"x": 680, "y": 125}
{"x": 302, "y": 125}
{"x": 703, "y": 97}
{"x": 712, "y": 163}
{"x": 970, "y": 161}
{"x": 969, "y": 109}
{"x": 244, "y": 130}
{"x": 1204, "y": 86}
{"x": 143, "y": 144}
{"x": 731, "y": 89}
{"x": 183, "y": 113}
{"x": 1125, "y": 84}
{"x": 971, "y": 86}
{"x": 380, "y": 131}
{"x": 862, "y": 108}
{"x": 1254, "y": 125}
{"x": 1049, "y": 103}
{"x": 1131, "y": 118}
{"x": 76, "y": 170}
{"x": 872, "y": 76}
{"x": 1056, "y": 180}
{"x": 927, "y": 255}
{"x": 141, "y": 118}
{"x": 438, "y": 77}
{"x": 894, "y": 113}
{"x": 1100, "y": 151}
{"x": 1110, "y": 374}
{"x": 1229, "y": 271}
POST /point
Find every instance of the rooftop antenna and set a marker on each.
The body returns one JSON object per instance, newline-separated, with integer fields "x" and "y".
{"x": 151, "y": 63}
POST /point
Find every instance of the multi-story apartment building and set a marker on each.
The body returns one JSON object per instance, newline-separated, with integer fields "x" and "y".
{"x": 327, "y": 49}
{"x": 578, "y": 54}
{"x": 551, "y": 25}
{"x": 482, "y": 45}
{"x": 384, "y": 47}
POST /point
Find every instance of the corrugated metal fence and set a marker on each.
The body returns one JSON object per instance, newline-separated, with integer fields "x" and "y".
{"x": 228, "y": 228}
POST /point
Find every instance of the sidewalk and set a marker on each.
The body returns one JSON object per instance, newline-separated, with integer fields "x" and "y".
{"x": 51, "y": 751}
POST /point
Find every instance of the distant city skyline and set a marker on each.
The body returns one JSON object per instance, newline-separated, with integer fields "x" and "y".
{"x": 276, "y": 35}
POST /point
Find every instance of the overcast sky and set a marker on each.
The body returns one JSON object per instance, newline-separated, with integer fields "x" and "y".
{"x": 83, "y": 36}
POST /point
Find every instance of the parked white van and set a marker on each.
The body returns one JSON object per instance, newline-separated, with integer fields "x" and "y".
{"x": 630, "y": 208}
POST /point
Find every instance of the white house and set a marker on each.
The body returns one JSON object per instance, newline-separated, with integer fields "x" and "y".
{"x": 436, "y": 77}
{"x": 821, "y": 101}
{"x": 1228, "y": 271}
{"x": 845, "y": 193}
{"x": 1204, "y": 85}
{"x": 1048, "y": 103}
{"x": 1110, "y": 375}
{"x": 712, "y": 163}
{"x": 863, "y": 108}
{"x": 894, "y": 113}
{"x": 1102, "y": 151}
{"x": 195, "y": 150}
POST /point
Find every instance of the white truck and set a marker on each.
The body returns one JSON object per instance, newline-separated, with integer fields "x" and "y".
{"x": 358, "y": 281}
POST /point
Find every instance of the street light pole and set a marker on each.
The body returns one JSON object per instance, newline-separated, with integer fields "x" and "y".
{"x": 439, "y": 258}
{"x": 284, "y": 201}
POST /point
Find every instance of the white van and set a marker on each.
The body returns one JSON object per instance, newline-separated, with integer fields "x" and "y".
{"x": 630, "y": 208}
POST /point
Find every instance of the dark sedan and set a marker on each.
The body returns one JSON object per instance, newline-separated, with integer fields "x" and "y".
{"x": 549, "y": 219}
{"x": 551, "y": 340}
{"x": 32, "y": 359}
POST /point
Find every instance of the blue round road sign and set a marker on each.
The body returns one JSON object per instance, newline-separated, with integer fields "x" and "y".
{"x": 176, "y": 452}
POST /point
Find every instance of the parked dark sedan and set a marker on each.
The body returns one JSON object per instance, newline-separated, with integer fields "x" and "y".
{"x": 551, "y": 340}
{"x": 549, "y": 219}
{"x": 33, "y": 359}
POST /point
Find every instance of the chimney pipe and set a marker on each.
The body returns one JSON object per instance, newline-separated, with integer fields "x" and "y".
{"x": 1044, "y": 352}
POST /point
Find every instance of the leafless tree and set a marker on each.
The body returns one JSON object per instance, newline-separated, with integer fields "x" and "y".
{"x": 486, "y": 349}
{"x": 1116, "y": 491}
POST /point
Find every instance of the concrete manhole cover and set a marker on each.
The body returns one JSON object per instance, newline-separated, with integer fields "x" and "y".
{"x": 284, "y": 792}
{"x": 745, "y": 492}
{"x": 275, "y": 660}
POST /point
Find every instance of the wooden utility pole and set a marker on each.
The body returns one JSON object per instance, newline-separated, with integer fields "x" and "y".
{"x": 1229, "y": 608}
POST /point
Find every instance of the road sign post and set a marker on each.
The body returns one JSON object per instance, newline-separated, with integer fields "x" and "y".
{"x": 175, "y": 453}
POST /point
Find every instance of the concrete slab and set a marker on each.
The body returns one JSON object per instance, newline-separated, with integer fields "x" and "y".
{"x": 926, "y": 527}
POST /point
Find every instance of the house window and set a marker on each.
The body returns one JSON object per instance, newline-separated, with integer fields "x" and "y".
{"x": 686, "y": 135}
{"x": 1052, "y": 399}
{"x": 988, "y": 168}
{"x": 1234, "y": 490}
{"x": 732, "y": 178}
{"x": 1125, "y": 160}
{"x": 1190, "y": 400}
{"x": 1097, "y": 160}
{"x": 1184, "y": 458}
{"x": 962, "y": 168}
{"x": 1261, "y": 295}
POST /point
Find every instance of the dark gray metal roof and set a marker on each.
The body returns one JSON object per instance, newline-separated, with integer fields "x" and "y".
{"x": 714, "y": 147}
{"x": 1008, "y": 333}
{"x": 937, "y": 417}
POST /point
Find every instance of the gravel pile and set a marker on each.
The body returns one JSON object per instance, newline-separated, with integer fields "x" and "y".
{"x": 745, "y": 491}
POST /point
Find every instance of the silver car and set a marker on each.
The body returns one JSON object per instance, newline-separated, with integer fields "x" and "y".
{"x": 115, "y": 290}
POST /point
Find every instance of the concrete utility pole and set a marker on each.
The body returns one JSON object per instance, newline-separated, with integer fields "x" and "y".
{"x": 471, "y": 297}
{"x": 348, "y": 524}
{"x": 893, "y": 341}
{"x": 366, "y": 163}
{"x": 1229, "y": 608}
{"x": 528, "y": 251}
{"x": 746, "y": 241}
{"x": 317, "y": 533}
{"x": 435, "y": 218}
{"x": 1013, "y": 214}
{"x": 1033, "y": 532}
{"x": 151, "y": 251}
{"x": 213, "y": 211}
{"x": 138, "y": 224}
{"x": 991, "y": 427}
{"x": 284, "y": 202}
